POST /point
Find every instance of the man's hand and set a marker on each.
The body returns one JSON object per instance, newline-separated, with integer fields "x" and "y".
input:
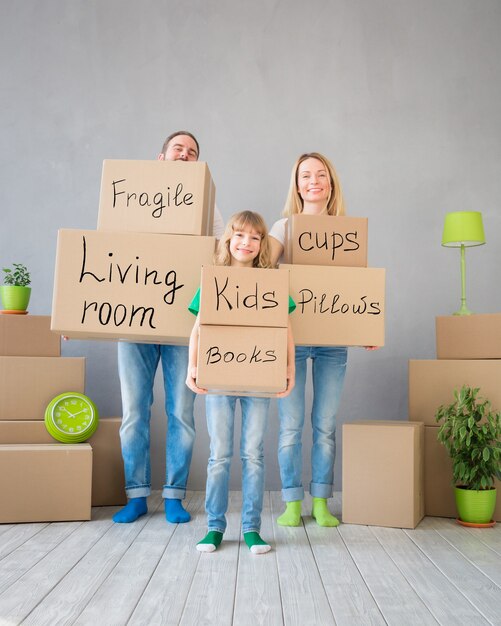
{"x": 291, "y": 381}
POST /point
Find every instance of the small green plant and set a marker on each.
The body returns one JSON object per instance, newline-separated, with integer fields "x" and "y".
{"x": 471, "y": 433}
{"x": 17, "y": 277}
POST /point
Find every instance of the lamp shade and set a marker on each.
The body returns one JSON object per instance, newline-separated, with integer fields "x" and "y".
{"x": 463, "y": 228}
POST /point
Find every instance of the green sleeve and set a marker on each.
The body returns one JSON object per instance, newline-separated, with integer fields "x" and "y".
{"x": 292, "y": 305}
{"x": 194, "y": 305}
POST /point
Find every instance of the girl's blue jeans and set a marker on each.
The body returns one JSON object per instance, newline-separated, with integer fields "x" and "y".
{"x": 328, "y": 371}
{"x": 137, "y": 364}
{"x": 220, "y": 423}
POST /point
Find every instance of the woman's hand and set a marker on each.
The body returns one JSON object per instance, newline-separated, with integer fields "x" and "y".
{"x": 191, "y": 381}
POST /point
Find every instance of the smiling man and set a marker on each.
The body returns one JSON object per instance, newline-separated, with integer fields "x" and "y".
{"x": 137, "y": 365}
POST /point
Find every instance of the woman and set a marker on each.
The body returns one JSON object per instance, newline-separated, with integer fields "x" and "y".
{"x": 314, "y": 190}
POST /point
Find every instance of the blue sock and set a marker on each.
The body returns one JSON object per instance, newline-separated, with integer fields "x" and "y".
{"x": 175, "y": 513}
{"x": 132, "y": 511}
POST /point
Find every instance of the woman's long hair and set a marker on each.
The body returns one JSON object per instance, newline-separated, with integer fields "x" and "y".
{"x": 335, "y": 202}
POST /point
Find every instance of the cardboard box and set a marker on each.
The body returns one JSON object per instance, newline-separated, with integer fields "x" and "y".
{"x": 432, "y": 383}
{"x": 128, "y": 286}
{"x": 28, "y": 335}
{"x": 173, "y": 197}
{"x": 108, "y": 481}
{"x": 469, "y": 336}
{"x": 45, "y": 482}
{"x": 439, "y": 499}
{"x": 242, "y": 360}
{"x": 438, "y": 490}
{"x": 28, "y": 384}
{"x": 337, "y": 306}
{"x": 383, "y": 473}
{"x": 327, "y": 240}
{"x": 238, "y": 296}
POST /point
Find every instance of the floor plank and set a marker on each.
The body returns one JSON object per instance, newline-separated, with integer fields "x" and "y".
{"x": 211, "y": 597}
{"x": 165, "y": 596}
{"x": 397, "y": 600}
{"x": 150, "y": 573}
{"x": 257, "y": 595}
{"x": 69, "y": 597}
{"x": 483, "y": 594}
{"x": 304, "y": 599}
{"x": 119, "y": 594}
{"x": 445, "y": 602}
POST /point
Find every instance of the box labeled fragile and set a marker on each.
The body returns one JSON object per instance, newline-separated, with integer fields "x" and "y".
{"x": 174, "y": 197}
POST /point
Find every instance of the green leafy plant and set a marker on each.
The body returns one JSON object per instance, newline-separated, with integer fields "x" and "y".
{"x": 471, "y": 433}
{"x": 17, "y": 277}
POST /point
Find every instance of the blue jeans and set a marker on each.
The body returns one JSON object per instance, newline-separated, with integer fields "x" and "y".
{"x": 220, "y": 423}
{"x": 137, "y": 364}
{"x": 328, "y": 370}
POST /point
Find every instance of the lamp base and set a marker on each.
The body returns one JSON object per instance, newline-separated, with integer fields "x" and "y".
{"x": 464, "y": 310}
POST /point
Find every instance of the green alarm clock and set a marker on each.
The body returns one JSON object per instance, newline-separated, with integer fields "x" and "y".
{"x": 71, "y": 417}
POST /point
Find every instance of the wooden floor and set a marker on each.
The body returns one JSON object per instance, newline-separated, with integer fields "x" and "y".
{"x": 149, "y": 572}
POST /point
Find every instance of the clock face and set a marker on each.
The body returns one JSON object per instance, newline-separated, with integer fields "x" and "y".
{"x": 71, "y": 417}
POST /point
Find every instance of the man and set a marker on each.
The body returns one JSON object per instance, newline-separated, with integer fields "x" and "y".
{"x": 137, "y": 364}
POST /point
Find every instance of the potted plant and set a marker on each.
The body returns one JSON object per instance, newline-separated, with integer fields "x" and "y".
{"x": 15, "y": 293}
{"x": 471, "y": 433}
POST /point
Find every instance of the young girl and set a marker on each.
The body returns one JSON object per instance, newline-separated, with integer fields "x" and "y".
{"x": 314, "y": 190}
{"x": 244, "y": 244}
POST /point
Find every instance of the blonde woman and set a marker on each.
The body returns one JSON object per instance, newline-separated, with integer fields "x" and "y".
{"x": 314, "y": 190}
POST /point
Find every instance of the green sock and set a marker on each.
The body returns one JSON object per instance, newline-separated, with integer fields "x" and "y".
{"x": 292, "y": 514}
{"x": 255, "y": 544}
{"x": 321, "y": 513}
{"x": 210, "y": 542}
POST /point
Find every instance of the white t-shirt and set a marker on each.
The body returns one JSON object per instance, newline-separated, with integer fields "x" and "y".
{"x": 278, "y": 232}
{"x": 218, "y": 225}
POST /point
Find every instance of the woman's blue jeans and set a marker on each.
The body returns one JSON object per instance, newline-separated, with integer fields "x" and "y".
{"x": 221, "y": 423}
{"x": 328, "y": 371}
{"x": 137, "y": 364}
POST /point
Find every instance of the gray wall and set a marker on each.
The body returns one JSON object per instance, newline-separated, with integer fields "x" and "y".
{"x": 403, "y": 96}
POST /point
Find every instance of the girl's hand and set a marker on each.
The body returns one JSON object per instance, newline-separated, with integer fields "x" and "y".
{"x": 65, "y": 338}
{"x": 371, "y": 348}
{"x": 191, "y": 381}
{"x": 291, "y": 381}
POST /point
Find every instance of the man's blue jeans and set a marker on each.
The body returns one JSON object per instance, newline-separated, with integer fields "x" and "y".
{"x": 328, "y": 370}
{"x": 220, "y": 423}
{"x": 137, "y": 364}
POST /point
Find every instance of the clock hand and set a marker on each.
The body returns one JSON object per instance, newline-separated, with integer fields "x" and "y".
{"x": 63, "y": 408}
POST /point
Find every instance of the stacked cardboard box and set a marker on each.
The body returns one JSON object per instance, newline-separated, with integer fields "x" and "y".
{"x": 340, "y": 301}
{"x": 134, "y": 277}
{"x": 469, "y": 353}
{"x": 35, "y": 478}
{"x": 243, "y": 330}
{"x": 32, "y": 372}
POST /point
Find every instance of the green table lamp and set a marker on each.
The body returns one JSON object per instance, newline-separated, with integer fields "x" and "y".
{"x": 463, "y": 229}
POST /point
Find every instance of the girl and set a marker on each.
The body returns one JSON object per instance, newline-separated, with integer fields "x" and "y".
{"x": 314, "y": 190}
{"x": 245, "y": 243}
